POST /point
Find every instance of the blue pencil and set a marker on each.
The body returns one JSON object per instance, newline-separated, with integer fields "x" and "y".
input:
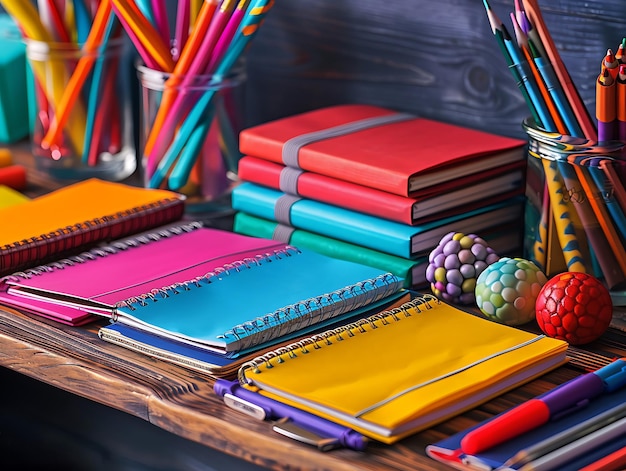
{"x": 520, "y": 70}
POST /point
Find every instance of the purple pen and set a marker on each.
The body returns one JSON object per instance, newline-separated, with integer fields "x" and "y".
{"x": 292, "y": 422}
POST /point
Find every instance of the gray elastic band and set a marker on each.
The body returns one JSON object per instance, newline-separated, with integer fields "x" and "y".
{"x": 282, "y": 210}
{"x": 293, "y": 145}
{"x": 283, "y": 233}
{"x": 289, "y": 180}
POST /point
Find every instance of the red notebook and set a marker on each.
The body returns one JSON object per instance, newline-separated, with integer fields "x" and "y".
{"x": 444, "y": 200}
{"x": 380, "y": 148}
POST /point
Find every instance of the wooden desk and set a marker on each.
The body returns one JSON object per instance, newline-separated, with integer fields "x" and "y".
{"x": 183, "y": 402}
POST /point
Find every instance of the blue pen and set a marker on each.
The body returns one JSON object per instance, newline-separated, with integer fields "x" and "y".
{"x": 292, "y": 422}
{"x": 94, "y": 90}
{"x": 83, "y": 21}
{"x": 561, "y": 400}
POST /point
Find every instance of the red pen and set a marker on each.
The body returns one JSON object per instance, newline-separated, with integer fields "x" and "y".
{"x": 556, "y": 403}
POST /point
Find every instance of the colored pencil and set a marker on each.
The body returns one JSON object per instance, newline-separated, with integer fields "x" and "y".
{"x": 533, "y": 12}
{"x": 74, "y": 85}
{"x": 247, "y": 30}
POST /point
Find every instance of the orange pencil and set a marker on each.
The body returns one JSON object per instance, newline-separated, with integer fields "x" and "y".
{"x": 146, "y": 33}
{"x": 611, "y": 63}
{"x": 80, "y": 74}
{"x": 619, "y": 54}
{"x": 605, "y": 105}
{"x": 187, "y": 55}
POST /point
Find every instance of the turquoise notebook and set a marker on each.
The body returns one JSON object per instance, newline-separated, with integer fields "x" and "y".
{"x": 403, "y": 240}
{"x": 250, "y": 303}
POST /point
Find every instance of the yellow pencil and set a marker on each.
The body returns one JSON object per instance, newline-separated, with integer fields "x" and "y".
{"x": 52, "y": 78}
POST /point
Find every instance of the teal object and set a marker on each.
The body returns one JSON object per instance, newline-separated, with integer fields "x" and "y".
{"x": 14, "y": 118}
{"x": 507, "y": 290}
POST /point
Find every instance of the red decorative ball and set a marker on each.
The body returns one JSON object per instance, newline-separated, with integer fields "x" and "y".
{"x": 575, "y": 307}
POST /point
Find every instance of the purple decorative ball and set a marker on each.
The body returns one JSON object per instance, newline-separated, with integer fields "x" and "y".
{"x": 454, "y": 266}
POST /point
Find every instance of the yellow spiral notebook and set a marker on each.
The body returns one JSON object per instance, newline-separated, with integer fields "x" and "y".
{"x": 403, "y": 370}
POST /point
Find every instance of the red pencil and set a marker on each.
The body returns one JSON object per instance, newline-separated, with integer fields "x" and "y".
{"x": 611, "y": 462}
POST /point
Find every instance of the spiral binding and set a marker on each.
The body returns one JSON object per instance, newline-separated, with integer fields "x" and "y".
{"x": 64, "y": 240}
{"x": 284, "y": 320}
{"x": 104, "y": 251}
{"x": 317, "y": 341}
{"x": 61, "y": 232}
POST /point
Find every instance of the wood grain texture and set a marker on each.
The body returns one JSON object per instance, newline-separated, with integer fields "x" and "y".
{"x": 436, "y": 59}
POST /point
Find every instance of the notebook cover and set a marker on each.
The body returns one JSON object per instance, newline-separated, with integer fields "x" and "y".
{"x": 127, "y": 268}
{"x": 458, "y": 196}
{"x": 258, "y": 300}
{"x": 390, "y": 237}
{"x": 401, "y": 157}
{"x": 412, "y": 271}
{"x": 11, "y": 197}
{"x": 77, "y": 216}
{"x": 403, "y": 371}
{"x": 448, "y": 450}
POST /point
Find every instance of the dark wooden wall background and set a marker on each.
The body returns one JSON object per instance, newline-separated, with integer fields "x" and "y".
{"x": 438, "y": 58}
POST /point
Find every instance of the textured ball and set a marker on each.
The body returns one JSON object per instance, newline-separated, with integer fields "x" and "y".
{"x": 454, "y": 265}
{"x": 506, "y": 291}
{"x": 575, "y": 307}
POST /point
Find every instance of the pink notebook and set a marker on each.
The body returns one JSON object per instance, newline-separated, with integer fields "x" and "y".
{"x": 75, "y": 289}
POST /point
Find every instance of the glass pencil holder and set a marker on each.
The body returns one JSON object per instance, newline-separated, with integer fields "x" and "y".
{"x": 575, "y": 217}
{"x": 80, "y": 111}
{"x": 189, "y": 135}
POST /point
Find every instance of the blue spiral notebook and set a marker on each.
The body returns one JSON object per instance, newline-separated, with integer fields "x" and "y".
{"x": 248, "y": 303}
{"x": 221, "y": 365}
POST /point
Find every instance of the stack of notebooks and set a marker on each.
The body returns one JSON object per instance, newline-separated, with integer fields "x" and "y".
{"x": 200, "y": 297}
{"x": 371, "y": 185}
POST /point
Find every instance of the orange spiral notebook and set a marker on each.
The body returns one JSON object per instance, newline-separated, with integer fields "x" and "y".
{"x": 79, "y": 216}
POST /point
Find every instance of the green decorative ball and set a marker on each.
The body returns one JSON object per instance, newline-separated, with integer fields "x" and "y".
{"x": 506, "y": 291}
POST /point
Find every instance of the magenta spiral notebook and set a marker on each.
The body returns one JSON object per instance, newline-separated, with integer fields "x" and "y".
{"x": 73, "y": 289}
